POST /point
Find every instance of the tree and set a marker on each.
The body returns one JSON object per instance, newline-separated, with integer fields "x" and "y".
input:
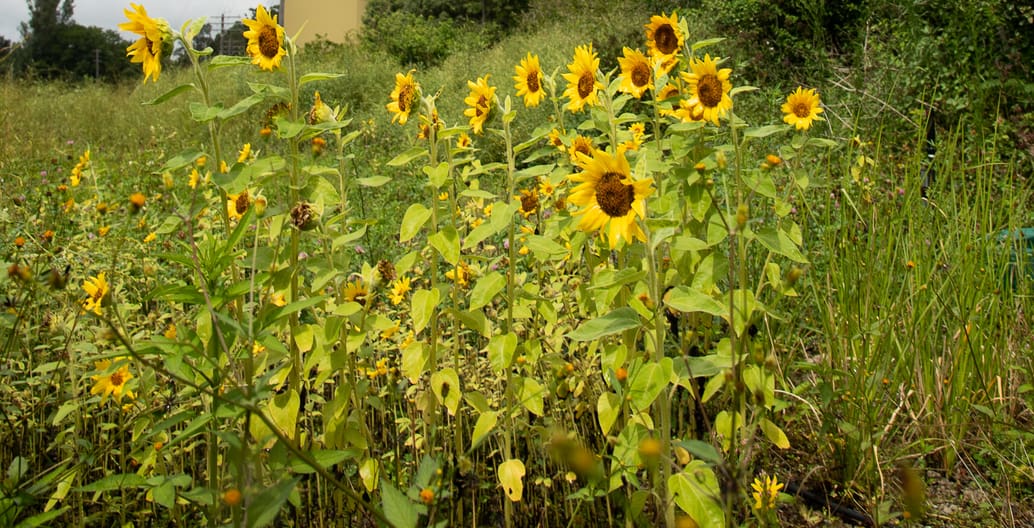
{"x": 53, "y": 45}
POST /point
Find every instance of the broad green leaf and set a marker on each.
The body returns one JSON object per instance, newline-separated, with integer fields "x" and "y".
{"x": 61, "y": 491}
{"x": 317, "y": 76}
{"x": 414, "y": 359}
{"x": 414, "y": 219}
{"x": 486, "y": 422}
{"x": 695, "y": 490}
{"x": 545, "y": 248}
{"x": 446, "y": 387}
{"x": 500, "y": 351}
{"x": 170, "y": 94}
{"x": 222, "y": 61}
{"x": 42, "y": 519}
{"x": 368, "y": 472}
{"x": 283, "y": 410}
{"x": 424, "y": 303}
{"x": 114, "y": 482}
{"x": 690, "y": 300}
{"x": 774, "y": 434}
{"x": 242, "y": 106}
{"x": 447, "y": 242}
{"x": 706, "y": 42}
{"x": 511, "y": 476}
{"x": 399, "y": 510}
{"x": 744, "y": 306}
{"x": 763, "y": 131}
{"x": 373, "y": 181}
{"x": 647, "y": 382}
{"x": 326, "y": 458}
{"x": 165, "y": 494}
{"x": 778, "y": 242}
{"x": 202, "y": 113}
{"x": 724, "y": 428}
{"x": 608, "y": 407}
{"x": 265, "y": 506}
{"x": 485, "y": 289}
{"x": 614, "y": 322}
{"x": 407, "y": 156}
{"x": 531, "y": 395}
{"x": 703, "y": 451}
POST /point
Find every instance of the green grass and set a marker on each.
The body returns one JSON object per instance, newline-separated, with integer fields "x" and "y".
{"x": 904, "y": 349}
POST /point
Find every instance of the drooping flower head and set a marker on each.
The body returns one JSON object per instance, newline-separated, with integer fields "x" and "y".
{"x": 402, "y": 97}
{"x": 321, "y": 112}
{"x": 154, "y": 34}
{"x": 265, "y": 40}
{"x": 607, "y": 193}
{"x": 96, "y": 289}
{"x": 636, "y": 74}
{"x": 801, "y": 108}
{"x": 479, "y": 103}
{"x": 664, "y": 39}
{"x": 581, "y": 145}
{"x": 709, "y": 88}
{"x": 528, "y": 80}
{"x": 237, "y": 204}
{"x": 112, "y": 383}
{"x": 582, "y": 83}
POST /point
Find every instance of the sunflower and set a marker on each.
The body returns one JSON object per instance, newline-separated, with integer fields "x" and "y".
{"x": 709, "y": 87}
{"x": 355, "y": 291}
{"x": 686, "y": 112}
{"x": 237, "y": 204}
{"x": 581, "y": 145}
{"x": 97, "y": 293}
{"x": 636, "y": 74}
{"x": 801, "y": 108}
{"x": 607, "y": 193}
{"x": 265, "y": 40}
{"x": 480, "y": 102}
{"x": 529, "y": 80}
{"x": 402, "y": 97}
{"x": 114, "y": 383}
{"x": 154, "y": 33}
{"x": 664, "y": 38}
{"x": 582, "y": 83}
{"x": 557, "y": 140}
{"x": 399, "y": 289}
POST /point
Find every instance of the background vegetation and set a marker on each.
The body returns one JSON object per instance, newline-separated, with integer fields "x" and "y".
{"x": 907, "y": 353}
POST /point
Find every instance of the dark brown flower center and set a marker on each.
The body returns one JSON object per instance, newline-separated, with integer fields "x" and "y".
{"x": 666, "y": 39}
{"x": 801, "y": 109}
{"x": 586, "y": 84}
{"x": 533, "y": 81}
{"x": 269, "y": 45}
{"x": 640, "y": 74}
{"x": 529, "y": 202}
{"x": 241, "y": 203}
{"x": 116, "y": 379}
{"x": 615, "y": 198}
{"x": 709, "y": 90}
{"x": 405, "y": 98}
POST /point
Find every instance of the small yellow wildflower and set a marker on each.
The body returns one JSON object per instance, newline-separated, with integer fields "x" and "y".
{"x": 113, "y": 384}
{"x": 399, "y": 288}
{"x": 765, "y": 493}
{"x": 97, "y": 290}
{"x": 244, "y": 154}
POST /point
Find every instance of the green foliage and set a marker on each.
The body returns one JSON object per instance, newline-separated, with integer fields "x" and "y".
{"x": 419, "y": 40}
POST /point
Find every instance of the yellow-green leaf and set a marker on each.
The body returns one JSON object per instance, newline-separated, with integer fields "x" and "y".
{"x": 414, "y": 219}
{"x": 511, "y": 477}
{"x": 486, "y": 422}
{"x": 446, "y": 387}
{"x": 774, "y": 434}
{"x": 608, "y": 407}
{"x": 368, "y": 473}
{"x": 423, "y": 305}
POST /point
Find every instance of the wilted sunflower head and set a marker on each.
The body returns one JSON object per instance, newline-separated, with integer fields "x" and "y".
{"x": 265, "y": 40}
{"x": 321, "y": 112}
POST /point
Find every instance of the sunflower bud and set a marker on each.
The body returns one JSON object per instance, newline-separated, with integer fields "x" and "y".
{"x": 321, "y": 113}
{"x": 793, "y": 275}
{"x": 260, "y": 203}
{"x": 721, "y": 160}
{"x": 742, "y": 215}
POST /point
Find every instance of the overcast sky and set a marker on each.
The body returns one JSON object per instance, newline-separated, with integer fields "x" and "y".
{"x": 107, "y": 14}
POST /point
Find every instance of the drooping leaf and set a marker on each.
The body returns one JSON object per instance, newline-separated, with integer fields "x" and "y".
{"x": 511, "y": 477}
